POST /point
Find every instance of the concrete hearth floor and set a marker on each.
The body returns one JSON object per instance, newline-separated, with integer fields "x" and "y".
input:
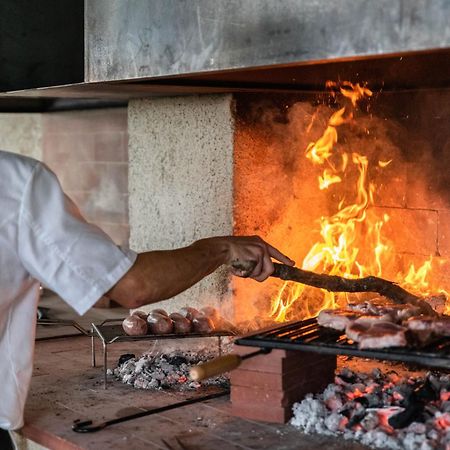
{"x": 65, "y": 388}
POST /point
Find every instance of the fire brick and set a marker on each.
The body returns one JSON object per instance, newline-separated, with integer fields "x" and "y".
{"x": 266, "y": 386}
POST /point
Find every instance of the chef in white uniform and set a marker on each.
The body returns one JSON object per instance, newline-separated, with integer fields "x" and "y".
{"x": 44, "y": 239}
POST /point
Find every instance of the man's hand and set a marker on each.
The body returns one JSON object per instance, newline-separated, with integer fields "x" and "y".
{"x": 250, "y": 256}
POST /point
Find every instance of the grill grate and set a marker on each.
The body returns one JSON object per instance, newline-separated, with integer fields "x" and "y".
{"x": 309, "y": 336}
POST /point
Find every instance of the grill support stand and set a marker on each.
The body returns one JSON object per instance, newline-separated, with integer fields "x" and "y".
{"x": 97, "y": 332}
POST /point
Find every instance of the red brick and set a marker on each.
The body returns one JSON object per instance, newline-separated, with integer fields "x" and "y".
{"x": 277, "y": 381}
{"x": 278, "y": 361}
{"x": 255, "y": 412}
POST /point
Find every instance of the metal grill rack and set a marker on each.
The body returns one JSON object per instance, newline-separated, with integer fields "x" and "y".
{"x": 64, "y": 323}
{"x": 110, "y": 331}
{"x": 308, "y": 336}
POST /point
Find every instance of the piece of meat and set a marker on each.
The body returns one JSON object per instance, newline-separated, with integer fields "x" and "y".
{"x": 421, "y": 327}
{"x": 159, "y": 324}
{"x": 424, "y": 327}
{"x": 381, "y": 306}
{"x": 134, "y": 325}
{"x": 379, "y": 334}
{"x": 420, "y": 323}
{"x": 203, "y": 325}
{"x": 190, "y": 313}
{"x": 181, "y": 324}
{"x": 370, "y": 319}
{"x": 337, "y": 318}
{"x": 441, "y": 326}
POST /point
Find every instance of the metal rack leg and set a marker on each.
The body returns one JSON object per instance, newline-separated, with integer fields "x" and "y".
{"x": 93, "y": 362}
{"x": 220, "y": 345}
{"x": 105, "y": 364}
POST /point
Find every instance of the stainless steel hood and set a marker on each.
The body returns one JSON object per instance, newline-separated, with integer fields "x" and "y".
{"x": 138, "y": 48}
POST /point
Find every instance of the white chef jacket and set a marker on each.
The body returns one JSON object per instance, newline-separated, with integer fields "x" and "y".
{"x": 43, "y": 238}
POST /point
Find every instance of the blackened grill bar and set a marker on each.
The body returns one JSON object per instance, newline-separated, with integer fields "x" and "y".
{"x": 308, "y": 336}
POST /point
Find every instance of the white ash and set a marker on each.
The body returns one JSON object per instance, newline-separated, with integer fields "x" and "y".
{"x": 166, "y": 371}
{"x": 357, "y": 406}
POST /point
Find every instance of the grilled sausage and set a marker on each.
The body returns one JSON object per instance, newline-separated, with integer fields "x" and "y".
{"x": 181, "y": 324}
{"x": 134, "y": 325}
{"x": 190, "y": 313}
{"x": 203, "y": 324}
{"x": 159, "y": 324}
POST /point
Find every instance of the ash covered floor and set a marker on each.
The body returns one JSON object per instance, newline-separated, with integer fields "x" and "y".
{"x": 65, "y": 388}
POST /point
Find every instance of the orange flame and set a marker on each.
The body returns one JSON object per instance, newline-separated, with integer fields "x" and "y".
{"x": 342, "y": 233}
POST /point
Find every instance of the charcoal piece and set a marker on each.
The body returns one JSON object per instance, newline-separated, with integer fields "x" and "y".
{"x": 356, "y": 418}
{"x": 412, "y": 413}
{"x": 347, "y": 375}
{"x": 404, "y": 391}
{"x": 416, "y": 406}
{"x": 426, "y": 391}
{"x": 177, "y": 360}
{"x": 125, "y": 357}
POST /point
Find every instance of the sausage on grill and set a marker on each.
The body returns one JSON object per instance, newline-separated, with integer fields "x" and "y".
{"x": 181, "y": 324}
{"x": 159, "y": 324}
{"x": 134, "y": 325}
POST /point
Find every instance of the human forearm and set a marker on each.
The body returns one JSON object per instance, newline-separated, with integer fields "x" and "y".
{"x": 158, "y": 275}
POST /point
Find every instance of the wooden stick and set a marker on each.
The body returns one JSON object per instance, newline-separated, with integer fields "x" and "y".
{"x": 335, "y": 283}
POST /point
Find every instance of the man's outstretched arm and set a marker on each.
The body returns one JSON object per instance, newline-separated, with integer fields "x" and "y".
{"x": 158, "y": 275}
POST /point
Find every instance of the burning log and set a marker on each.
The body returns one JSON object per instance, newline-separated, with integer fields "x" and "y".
{"x": 335, "y": 283}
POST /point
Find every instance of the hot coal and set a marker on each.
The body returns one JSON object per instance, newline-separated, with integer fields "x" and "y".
{"x": 165, "y": 371}
{"x": 382, "y": 410}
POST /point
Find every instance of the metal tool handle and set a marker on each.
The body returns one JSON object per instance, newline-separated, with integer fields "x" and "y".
{"x": 215, "y": 367}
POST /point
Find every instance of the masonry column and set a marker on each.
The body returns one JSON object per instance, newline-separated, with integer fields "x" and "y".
{"x": 181, "y": 179}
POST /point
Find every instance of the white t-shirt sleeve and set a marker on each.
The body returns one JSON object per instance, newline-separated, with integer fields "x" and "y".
{"x": 58, "y": 247}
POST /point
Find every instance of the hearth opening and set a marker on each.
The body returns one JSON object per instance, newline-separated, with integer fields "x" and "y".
{"x": 349, "y": 182}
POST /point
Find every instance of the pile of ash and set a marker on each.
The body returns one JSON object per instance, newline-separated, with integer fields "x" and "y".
{"x": 381, "y": 410}
{"x": 165, "y": 371}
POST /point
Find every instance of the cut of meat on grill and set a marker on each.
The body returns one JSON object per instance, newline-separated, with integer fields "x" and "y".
{"x": 441, "y": 326}
{"x": 424, "y": 327}
{"x": 421, "y": 327}
{"x": 337, "y": 318}
{"x": 381, "y": 307}
{"x": 380, "y": 334}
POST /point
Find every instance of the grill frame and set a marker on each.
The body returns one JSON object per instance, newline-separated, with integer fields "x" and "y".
{"x": 308, "y": 336}
{"x": 110, "y": 331}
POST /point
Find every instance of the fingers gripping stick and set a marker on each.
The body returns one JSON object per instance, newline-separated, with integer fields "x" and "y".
{"x": 245, "y": 267}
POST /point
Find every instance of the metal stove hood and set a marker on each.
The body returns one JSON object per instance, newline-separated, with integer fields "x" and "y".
{"x": 138, "y": 48}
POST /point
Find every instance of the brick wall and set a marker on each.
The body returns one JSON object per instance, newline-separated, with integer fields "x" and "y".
{"x": 88, "y": 152}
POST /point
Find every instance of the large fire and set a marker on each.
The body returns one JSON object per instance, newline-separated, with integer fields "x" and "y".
{"x": 353, "y": 225}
